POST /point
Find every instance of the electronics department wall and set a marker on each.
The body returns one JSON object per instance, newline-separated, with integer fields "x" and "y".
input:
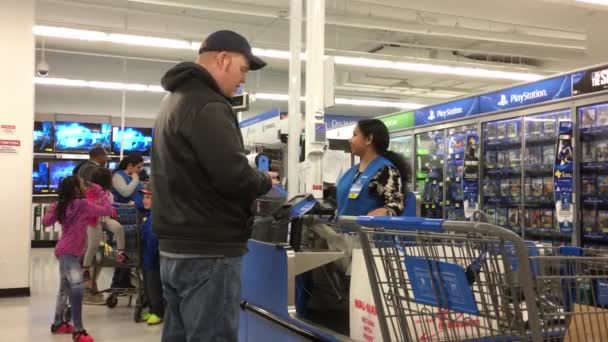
{"x": 17, "y": 117}
{"x": 115, "y": 121}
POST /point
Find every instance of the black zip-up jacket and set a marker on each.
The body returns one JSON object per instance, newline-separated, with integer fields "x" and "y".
{"x": 203, "y": 186}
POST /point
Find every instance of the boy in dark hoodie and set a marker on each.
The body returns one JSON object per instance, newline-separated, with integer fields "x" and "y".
{"x": 151, "y": 266}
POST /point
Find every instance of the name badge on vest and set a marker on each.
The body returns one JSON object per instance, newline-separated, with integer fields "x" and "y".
{"x": 355, "y": 189}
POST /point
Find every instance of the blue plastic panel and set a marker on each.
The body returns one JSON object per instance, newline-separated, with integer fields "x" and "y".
{"x": 427, "y": 275}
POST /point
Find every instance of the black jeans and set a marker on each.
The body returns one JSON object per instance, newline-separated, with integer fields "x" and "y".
{"x": 153, "y": 288}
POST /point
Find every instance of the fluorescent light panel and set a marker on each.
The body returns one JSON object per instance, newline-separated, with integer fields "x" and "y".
{"x": 68, "y": 33}
{"x": 344, "y": 101}
{"x": 595, "y": 2}
{"x": 64, "y": 82}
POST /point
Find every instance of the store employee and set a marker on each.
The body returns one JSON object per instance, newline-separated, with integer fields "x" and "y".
{"x": 376, "y": 186}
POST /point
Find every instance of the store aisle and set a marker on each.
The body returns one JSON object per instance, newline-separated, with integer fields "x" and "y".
{"x": 29, "y": 319}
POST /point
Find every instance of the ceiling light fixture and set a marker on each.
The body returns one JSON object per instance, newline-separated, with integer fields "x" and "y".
{"x": 65, "y": 82}
{"x": 345, "y": 101}
{"x": 595, "y": 2}
{"x": 68, "y": 33}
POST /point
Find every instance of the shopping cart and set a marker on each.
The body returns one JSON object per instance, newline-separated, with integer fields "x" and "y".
{"x": 572, "y": 293}
{"x": 128, "y": 216}
{"x": 435, "y": 280}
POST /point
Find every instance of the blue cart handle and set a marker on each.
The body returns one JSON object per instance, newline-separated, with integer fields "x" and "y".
{"x": 397, "y": 223}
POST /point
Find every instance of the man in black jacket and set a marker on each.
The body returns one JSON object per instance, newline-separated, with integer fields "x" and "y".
{"x": 204, "y": 191}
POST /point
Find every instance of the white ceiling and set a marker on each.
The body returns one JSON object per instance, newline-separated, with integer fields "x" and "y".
{"x": 537, "y": 36}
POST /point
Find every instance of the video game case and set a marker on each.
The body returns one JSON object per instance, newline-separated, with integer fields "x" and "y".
{"x": 503, "y": 159}
{"x": 589, "y": 152}
{"x": 490, "y": 131}
{"x": 547, "y": 219}
{"x": 533, "y": 128}
{"x": 512, "y": 129}
{"x": 514, "y": 158}
{"x": 502, "y": 217}
{"x": 437, "y": 193}
{"x": 589, "y": 220}
{"x": 514, "y": 217}
{"x": 533, "y": 219}
{"x": 549, "y": 155}
{"x": 505, "y": 188}
{"x": 491, "y": 215}
{"x": 602, "y": 185}
{"x": 491, "y": 159}
{"x": 602, "y": 221}
{"x": 548, "y": 188}
{"x": 601, "y": 151}
{"x": 602, "y": 116}
{"x": 537, "y": 187}
{"x": 501, "y": 130}
{"x": 490, "y": 187}
{"x": 534, "y": 155}
{"x": 549, "y": 126}
{"x": 515, "y": 187}
{"x": 527, "y": 187}
{"x": 588, "y": 117}
{"x": 588, "y": 185}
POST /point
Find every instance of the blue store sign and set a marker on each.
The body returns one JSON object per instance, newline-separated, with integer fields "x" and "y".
{"x": 448, "y": 111}
{"x": 542, "y": 91}
{"x": 335, "y": 121}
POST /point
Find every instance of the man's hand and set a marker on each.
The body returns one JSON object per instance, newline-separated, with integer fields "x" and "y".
{"x": 135, "y": 176}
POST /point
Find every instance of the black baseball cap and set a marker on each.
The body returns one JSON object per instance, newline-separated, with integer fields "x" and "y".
{"x": 226, "y": 40}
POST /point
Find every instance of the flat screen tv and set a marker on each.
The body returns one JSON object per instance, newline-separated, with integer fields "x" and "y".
{"x": 43, "y": 136}
{"x": 112, "y": 165}
{"x": 40, "y": 176}
{"x": 58, "y": 170}
{"x": 135, "y": 140}
{"x": 81, "y": 137}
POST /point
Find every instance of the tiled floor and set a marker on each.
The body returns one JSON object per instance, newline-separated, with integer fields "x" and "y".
{"x": 28, "y": 319}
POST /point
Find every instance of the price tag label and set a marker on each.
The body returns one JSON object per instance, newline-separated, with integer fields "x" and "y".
{"x": 457, "y": 205}
{"x": 434, "y": 182}
{"x": 433, "y": 206}
{"x": 447, "y": 202}
{"x": 458, "y": 179}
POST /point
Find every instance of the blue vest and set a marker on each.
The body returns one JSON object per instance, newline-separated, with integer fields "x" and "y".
{"x": 136, "y": 197}
{"x": 353, "y": 196}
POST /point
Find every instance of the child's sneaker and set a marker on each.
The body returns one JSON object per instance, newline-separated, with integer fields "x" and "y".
{"x": 122, "y": 258}
{"x": 62, "y": 328}
{"x": 154, "y": 320}
{"x": 82, "y": 336}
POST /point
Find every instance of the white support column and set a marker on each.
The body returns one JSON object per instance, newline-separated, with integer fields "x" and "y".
{"x": 295, "y": 85}
{"x": 315, "y": 109}
{"x": 17, "y": 116}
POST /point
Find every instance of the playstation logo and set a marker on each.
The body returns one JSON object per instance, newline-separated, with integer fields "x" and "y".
{"x": 431, "y": 115}
{"x": 503, "y": 100}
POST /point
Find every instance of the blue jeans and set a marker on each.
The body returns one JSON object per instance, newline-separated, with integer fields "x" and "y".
{"x": 72, "y": 287}
{"x": 203, "y": 297}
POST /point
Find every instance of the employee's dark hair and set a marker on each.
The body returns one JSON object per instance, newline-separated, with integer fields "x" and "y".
{"x": 97, "y": 151}
{"x": 102, "y": 177}
{"x": 67, "y": 192}
{"x": 377, "y": 130}
{"x": 132, "y": 158}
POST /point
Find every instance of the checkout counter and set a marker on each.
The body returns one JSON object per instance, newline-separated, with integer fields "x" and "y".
{"x": 270, "y": 271}
{"x": 269, "y": 274}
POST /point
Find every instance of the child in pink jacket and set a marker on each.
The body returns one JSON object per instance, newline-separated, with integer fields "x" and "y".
{"x": 73, "y": 212}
